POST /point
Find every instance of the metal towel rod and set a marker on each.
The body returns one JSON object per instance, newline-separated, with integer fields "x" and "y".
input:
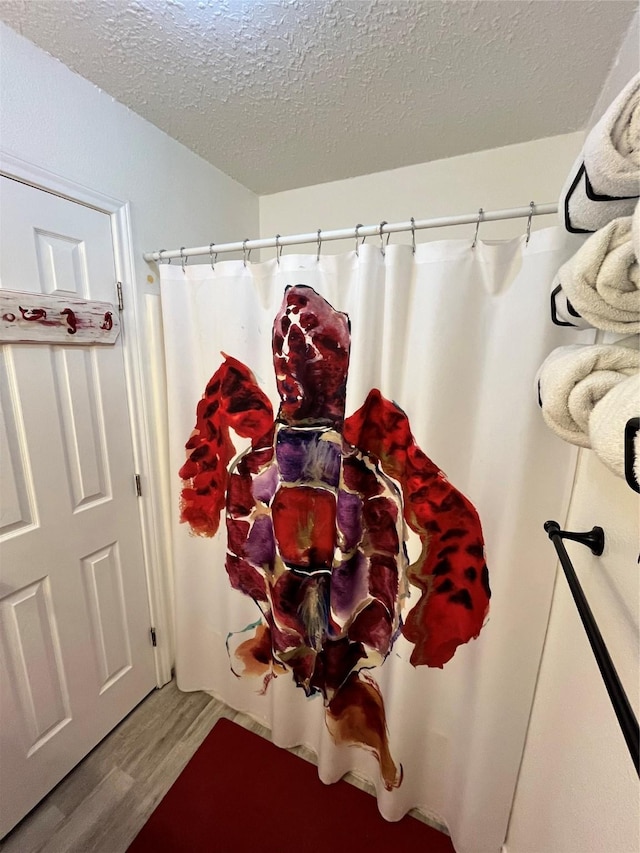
{"x": 594, "y": 539}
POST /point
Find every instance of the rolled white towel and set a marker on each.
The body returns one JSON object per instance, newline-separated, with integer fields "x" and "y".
{"x": 581, "y": 212}
{"x": 635, "y": 232}
{"x": 612, "y": 148}
{"x": 602, "y": 279}
{"x": 608, "y": 422}
{"x": 574, "y": 378}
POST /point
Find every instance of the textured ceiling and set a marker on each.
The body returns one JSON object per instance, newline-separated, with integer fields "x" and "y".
{"x": 287, "y": 93}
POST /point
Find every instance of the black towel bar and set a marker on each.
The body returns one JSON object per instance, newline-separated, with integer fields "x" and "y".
{"x": 594, "y": 539}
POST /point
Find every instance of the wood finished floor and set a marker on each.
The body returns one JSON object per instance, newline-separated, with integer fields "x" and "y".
{"x": 104, "y": 802}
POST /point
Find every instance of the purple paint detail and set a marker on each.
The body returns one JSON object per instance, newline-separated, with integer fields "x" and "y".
{"x": 260, "y": 547}
{"x": 349, "y": 514}
{"x": 349, "y": 586}
{"x": 305, "y": 457}
{"x": 265, "y": 484}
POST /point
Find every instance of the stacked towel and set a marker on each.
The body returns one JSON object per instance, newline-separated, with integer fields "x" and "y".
{"x": 608, "y": 422}
{"x": 581, "y": 212}
{"x": 604, "y": 183}
{"x": 590, "y": 396}
{"x": 600, "y": 285}
{"x": 612, "y": 149}
{"x": 575, "y": 378}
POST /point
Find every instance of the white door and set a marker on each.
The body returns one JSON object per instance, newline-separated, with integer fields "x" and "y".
{"x": 75, "y": 649}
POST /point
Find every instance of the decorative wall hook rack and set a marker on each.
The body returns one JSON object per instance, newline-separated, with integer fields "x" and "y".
{"x": 594, "y": 539}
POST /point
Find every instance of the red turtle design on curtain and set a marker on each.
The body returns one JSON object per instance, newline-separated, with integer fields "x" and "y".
{"x": 315, "y": 514}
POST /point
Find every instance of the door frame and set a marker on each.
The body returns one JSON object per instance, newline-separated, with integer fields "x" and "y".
{"x": 155, "y": 565}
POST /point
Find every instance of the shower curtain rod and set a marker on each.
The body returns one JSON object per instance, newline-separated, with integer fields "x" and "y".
{"x": 353, "y": 233}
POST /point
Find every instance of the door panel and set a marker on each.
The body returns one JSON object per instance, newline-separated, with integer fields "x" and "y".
{"x": 75, "y": 652}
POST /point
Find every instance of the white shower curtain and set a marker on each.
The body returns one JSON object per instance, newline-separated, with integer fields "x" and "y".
{"x": 455, "y": 337}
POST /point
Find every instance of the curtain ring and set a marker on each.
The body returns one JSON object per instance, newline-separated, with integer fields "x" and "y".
{"x": 413, "y": 235}
{"x": 160, "y": 256}
{"x": 319, "y": 245}
{"x": 531, "y": 207}
{"x": 244, "y": 251}
{"x": 358, "y": 227}
{"x": 475, "y": 238}
{"x": 382, "y": 224}
{"x": 213, "y": 256}
{"x": 278, "y": 249}
{"x": 184, "y": 258}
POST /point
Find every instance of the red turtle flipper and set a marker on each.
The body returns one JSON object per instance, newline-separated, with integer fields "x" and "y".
{"x": 451, "y": 570}
{"x": 232, "y": 400}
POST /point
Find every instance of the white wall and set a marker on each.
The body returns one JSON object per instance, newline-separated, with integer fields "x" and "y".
{"x": 56, "y": 120}
{"x": 501, "y": 177}
{"x": 578, "y": 791}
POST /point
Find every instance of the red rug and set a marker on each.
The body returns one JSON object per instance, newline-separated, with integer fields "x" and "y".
{"x": 240, "y": 793}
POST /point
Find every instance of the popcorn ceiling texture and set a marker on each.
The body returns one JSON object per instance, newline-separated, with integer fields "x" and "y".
{"x": 287, "y": 93}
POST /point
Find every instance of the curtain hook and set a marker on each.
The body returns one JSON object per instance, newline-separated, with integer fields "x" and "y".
{"x": 184, "y": 258}
{"x": 319, "y": 245}
{"x": 213, "y": 256}
{"x": 160, "y": 256}
{"x": 278, "y": 249}
{"x": 382, "y": 224}
{"x": 244, "y": 251}
{"x": 413, "y": 235}
{"x": 531, "y": 207}
{"x": 475, "y": 238}
{"x": 358, "y": 227}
